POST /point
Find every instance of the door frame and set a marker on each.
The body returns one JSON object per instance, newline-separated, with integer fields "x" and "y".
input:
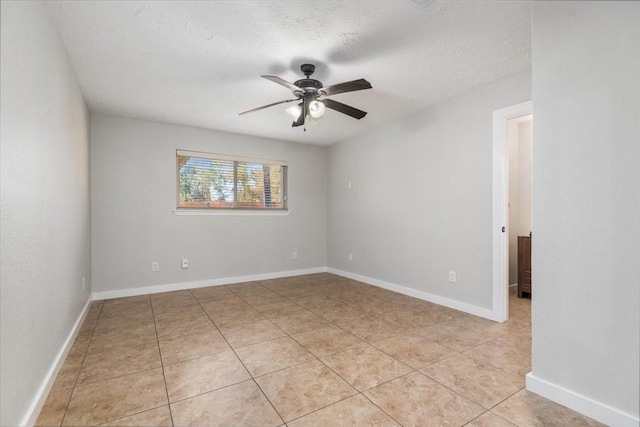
{"x": 500, "y": 195}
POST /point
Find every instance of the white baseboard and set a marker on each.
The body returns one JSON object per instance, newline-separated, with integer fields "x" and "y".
{"x": 154, "y": 289}
{"x": 31, "y": 416}
{"x": 589, "y": 407}
{"x": 436, "y": 299}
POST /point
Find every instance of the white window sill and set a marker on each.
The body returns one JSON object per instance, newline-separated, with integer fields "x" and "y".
{"x": 229, "y": 212}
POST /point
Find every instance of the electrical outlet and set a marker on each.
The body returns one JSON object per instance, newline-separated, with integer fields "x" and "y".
{"x": 351, "y": 257}
{"x": 294, "y": 255}
{"x": 155, "y": 266}
{"x": 452, "y": 276}
{"x": 350, "y": 185}
{"x": 185, "y": 263}
{"x": 83, "y": 284}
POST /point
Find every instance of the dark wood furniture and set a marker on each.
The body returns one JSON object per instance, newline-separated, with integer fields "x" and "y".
{"x": 524, "y": 265}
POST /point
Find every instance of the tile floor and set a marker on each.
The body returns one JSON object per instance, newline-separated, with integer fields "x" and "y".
{"x": 317, "y": 350}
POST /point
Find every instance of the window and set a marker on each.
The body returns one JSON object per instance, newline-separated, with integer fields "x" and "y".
{"x": 216, "y": 181}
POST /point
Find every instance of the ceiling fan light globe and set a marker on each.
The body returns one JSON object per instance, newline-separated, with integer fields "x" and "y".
{"x": 294, "y": 111}
{"x": 316, "y": 109}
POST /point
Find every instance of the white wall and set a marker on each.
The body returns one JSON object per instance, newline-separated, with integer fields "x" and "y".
{"x": 421, "y": 198}
{"x": 133, "y": 182}
{"x": 519, "y": 151}
{"x": 586, "y": 207}
{"x": 45, "y": 203}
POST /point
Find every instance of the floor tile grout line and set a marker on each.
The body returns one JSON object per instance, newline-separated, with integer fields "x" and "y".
{"x": 326, "y": 406}
{"x": 290, "y": 336}
{"x": 322, "y": 292}
{"x": 84, "y": 356}
{"x": 164, "y": 377}
{"x": 385, "y": 412}
{"x": 245, "y": 367}
{"x": 134, "y": 414}
{"x": 362, "y": 392}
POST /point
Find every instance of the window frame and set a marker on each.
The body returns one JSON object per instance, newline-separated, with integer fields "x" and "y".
{"x": 235, "y": 159}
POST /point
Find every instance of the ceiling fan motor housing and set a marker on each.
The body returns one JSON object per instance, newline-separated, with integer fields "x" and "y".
{"x": 307, "y": 84}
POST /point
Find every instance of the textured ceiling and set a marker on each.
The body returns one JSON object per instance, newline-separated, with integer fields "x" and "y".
{"x": 199, "y": 63}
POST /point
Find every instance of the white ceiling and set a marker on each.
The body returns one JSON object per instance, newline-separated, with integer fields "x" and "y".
{"x": 199, "y": 63}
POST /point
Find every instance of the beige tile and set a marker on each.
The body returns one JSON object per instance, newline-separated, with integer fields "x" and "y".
{"x": 487, "y": 328}
{"x": 105, "y": 401}
{"x": 176, "y": 297}
{"x": 451, "y": 336}
{"x": 122, "y": 338}
{"x": 528, "y": 409}
{"x": 54, "y": 407}
{"x": 415, "y": 400}
{"x": 365, "y": 366}
{"x": 477, "y": 381}
{"x": 263, "y": 298}
{"x": 95, "y": 309}
{"x": 370, "y": 307}
{"x": 247, "y": 288}
{"x": 111, "y": 325}
{"x": 173, "y": 328}
{"x": 175, "y": 313}
{"x": 89, "y": 324}
{"x": 158, "y": 417}
{"x": 219, "y": 299}
{"x": 410, "y": 303}
{"x": 251, "y": 333}
{"x": 212, "y": 294}
{"x": 68, "y": 373}
{"x": 125, "y": 301}
{"x": 172, "y": 299}
{"x": 301, "y": 389}
{"x": 282, "y": 288}
{"x": 229, "y": 318}
{"x": 413, "y": 350}
{"x": 409, "y": 319}
{"x": 80, "y": 344}
{"x": 229, "y": 306}
{"x": 207, "y": 373}
{"x": 237, "y": 405}
{"x": 113, "y": 328}
{"x": 125, "y": 306}
{"x": 489, "y": 420}
{"x": 187, "y": 347}
{"x": 314, "y": 299}
{"x": 503, "y": 356}
{"x": 119, "y": 361}
{"x": 371, "y": 329}
{"x": 273, "y": 355}
{"x": 340, "y": 313}
{"x": 300, "y": 322}
{"x": 355, "y": 411}
{"x": 325, "y": 341}
{"x": 519, "y": 339}
{"x": 296, "y": 292}
{"x": 273, "y": 310}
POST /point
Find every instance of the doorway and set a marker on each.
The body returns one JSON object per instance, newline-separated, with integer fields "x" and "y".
{"x": 508, "y": 122}
{"x": 519, "y": 204}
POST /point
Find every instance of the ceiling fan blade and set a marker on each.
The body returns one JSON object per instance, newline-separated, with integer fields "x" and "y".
{"x": 302, "y": 116}
{"x": 282, "y": 82}
{"x": 351, "y": 86}
{"x": 267, "y": 106}
{"x": 344, "y": 108}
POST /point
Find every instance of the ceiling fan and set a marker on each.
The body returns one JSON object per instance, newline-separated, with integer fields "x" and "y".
{"x": 312, "y": 95}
